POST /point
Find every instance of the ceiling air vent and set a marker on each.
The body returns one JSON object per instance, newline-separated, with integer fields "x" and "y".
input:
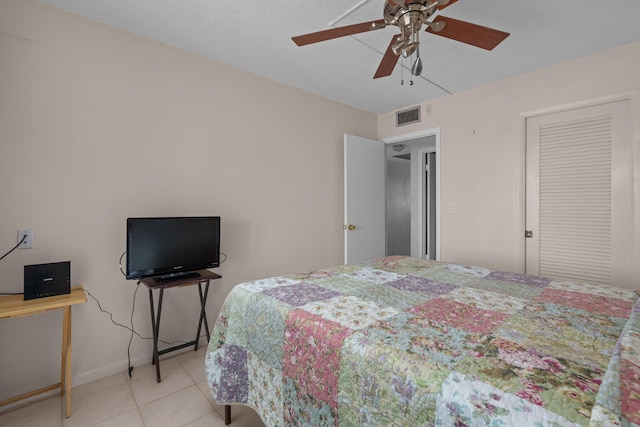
{"x": 406, "y": 117}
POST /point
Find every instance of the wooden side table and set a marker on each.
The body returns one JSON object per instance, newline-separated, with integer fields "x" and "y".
{"x": 15, "y": 306}
{"x": 204, "y": 278}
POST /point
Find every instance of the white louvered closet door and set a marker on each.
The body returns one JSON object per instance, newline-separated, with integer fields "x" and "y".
{"x": 579, "y": 194}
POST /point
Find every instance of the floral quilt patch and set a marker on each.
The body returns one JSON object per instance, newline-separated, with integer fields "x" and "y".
{"x": 459, "y": 315}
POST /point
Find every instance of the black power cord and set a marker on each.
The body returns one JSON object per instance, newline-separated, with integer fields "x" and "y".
{"x": 120, "y": 265}
{"x": 133, "y": 306}
{"x": 131, "y": 329}
{"x": 130, "y": 368}
{"x": 121, "y": 325}
{"x": 14, "y": 248}
{"x": 3, "y": 256}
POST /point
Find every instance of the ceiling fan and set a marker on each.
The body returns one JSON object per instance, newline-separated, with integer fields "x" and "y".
{"x": 409, "y": 16}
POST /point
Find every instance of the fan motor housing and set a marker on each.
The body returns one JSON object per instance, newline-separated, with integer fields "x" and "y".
{"x": 412, "y": 15}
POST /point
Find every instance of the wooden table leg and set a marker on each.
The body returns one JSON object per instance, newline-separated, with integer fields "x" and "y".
{"x": 227, "y": 414}
{"x": 65, "y": 348}
{"x": 66, "y": 360}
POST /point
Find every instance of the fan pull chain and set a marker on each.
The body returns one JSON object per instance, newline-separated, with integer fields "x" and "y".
{"x": 413, "y": 40}
{"x": 402, "y": 63}
{"x": 411, "y": 81}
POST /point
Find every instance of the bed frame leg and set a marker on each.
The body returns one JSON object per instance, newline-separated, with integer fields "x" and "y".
{"x": 227, "y": 415}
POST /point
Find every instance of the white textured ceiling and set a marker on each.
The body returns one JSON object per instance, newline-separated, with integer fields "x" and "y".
{"x": 255, "y": 36}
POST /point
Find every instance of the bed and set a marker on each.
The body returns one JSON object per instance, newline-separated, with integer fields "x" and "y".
{"x": 409, "y": 342}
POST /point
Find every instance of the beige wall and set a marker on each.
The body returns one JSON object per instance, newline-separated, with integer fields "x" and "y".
{"x": 97, "y": 125}
{"x": 482, "y": 151}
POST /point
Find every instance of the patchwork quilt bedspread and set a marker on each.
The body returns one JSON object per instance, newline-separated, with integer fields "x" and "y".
{"x": 403, "y": 341}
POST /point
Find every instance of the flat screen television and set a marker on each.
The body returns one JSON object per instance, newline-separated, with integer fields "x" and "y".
{"x": 172, "y": 247}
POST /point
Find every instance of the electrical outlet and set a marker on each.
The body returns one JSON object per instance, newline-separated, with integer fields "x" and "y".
{"x": 28, "y": 241}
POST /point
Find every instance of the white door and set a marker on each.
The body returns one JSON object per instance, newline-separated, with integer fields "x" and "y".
{"x": 579, "y": 194}
{"x": 364, "y": 199}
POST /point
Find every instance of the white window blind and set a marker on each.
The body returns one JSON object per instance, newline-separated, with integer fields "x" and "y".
{"x": 575, "y": 200}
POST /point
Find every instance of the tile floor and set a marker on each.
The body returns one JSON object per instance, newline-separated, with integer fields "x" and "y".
{"x": 181, "y": 399}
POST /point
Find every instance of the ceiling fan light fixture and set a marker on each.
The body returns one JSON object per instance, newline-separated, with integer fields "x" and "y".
{"x": 409, "y": 49}
{"x": 398, "y": 47}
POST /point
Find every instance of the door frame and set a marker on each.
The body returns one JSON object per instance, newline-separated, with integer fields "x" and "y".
{"x": 425, "y": 206}
{"x": 435, "y": 132}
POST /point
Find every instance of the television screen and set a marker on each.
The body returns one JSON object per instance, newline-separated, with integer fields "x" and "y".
{"x": 171, "y": 246}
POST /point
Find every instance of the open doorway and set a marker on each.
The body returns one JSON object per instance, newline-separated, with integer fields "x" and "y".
{"x": 411, "y": 197}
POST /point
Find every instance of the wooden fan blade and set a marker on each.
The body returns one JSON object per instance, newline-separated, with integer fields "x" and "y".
{"x": 334, "y": 33}
{"x": 466, "y": 32}
{"x": 389, "y": 60}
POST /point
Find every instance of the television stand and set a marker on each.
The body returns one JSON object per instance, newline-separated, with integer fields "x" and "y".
{"x": 152, "y": 283}
{"x": 166, "y": 278}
